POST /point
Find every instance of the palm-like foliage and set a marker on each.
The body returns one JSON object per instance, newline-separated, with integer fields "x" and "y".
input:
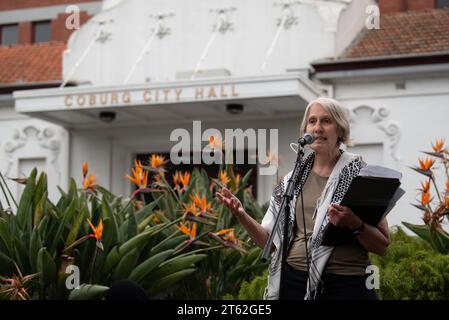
{"x": 237, "y": 260}
{"x": 43, "y": 238}
{"x": 181, "y": 239}
{"x": 433, "y": 211}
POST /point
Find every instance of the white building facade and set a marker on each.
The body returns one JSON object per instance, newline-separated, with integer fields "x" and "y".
{"x": 160, "y": 65}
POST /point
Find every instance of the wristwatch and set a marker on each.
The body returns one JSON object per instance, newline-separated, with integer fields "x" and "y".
{"x": 357, "y": 231}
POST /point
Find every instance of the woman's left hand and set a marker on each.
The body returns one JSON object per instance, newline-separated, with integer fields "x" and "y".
{"x": 341, "y": 216}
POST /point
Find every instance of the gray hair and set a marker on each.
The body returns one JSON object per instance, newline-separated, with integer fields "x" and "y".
{"x": 338, "y": 114}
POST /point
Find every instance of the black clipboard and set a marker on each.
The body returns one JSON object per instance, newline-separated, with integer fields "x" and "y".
{"x": 370, "y": 198}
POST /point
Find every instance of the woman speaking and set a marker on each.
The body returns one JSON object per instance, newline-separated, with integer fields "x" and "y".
{"x": 326, "y": 272}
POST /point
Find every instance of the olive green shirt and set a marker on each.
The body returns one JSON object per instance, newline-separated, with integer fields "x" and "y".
{"x": 345, "y": 259}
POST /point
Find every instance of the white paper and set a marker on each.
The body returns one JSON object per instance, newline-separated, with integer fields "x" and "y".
{"x": 379, "y": 171}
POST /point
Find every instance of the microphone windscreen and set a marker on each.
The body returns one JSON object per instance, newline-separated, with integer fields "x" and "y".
{"x": 309, "y": 138}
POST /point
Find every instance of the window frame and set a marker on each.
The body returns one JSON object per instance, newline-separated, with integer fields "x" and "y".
{"x": 33, "y": 32}
{"x": 2, "y": 26}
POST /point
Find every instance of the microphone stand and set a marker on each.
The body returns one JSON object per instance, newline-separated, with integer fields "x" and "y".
{"x": 284, "y": 209}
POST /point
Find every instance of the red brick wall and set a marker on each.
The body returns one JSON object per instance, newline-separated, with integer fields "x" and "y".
{"x": 390, "y": 6}
{"x": 416, "y": 5}
{"x": 59, "y": 32}
{"x": 25, "y": 32}
{"x": 20, "y": 4}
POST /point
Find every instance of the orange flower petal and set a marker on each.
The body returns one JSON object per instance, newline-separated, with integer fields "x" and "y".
{"x": 426, "y": 164}
{"x": 425, "y": 198}
{"x": 89, "y": 182}
{"x": 98, "y": 231}
{"x": 425, "y": 186}
{"x": 224, "y": 231}
{"x": 85, "y": 167}
{"x": 157, "y": 160}
{"x": 438, "y": 146}
{"x": 185, "y": 178}
{"x": 138, "y": 176}
{"x": 224, "y": 177}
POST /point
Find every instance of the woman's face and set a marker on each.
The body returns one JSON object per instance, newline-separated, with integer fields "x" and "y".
{"x": 321, "y": 124}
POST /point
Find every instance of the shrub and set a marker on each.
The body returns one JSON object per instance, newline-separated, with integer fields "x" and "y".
{"x": 176, "y": 242}
{"x": 251, "y": 290}
{"x": 411, "y": 270}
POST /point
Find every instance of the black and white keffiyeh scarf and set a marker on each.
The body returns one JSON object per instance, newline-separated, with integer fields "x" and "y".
{"x": 347, "y": 168}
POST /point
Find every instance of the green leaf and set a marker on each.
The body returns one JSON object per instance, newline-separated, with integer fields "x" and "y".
{"x": 421, "y": 230}
{"x": 146, "y": 210}
{"x": 46, "y": 267}
{"x": 7, "y": 266}
{"x": 41, "y": 188}
{"x": 69, "y": 212}
{"x": 444, "y": 238}
{"x": 132, "y": 226}
{"x": 62, "y": 192}
{"x": 140, "y": 240}
{"x": 168, "y": 243}
{"x": 26, "y": 202}
{"x": 35, "y": 245}
{"x": 111, "y": 230}
{"x": 73, "y": 192}
{"x": 439, "y": 240}
{"x": 95, "y": 210}
{"x": 42, "y": 227}
{"x": 236, "y": 273}
{"x": 176, "y": 264}
{"x": 142, "y": 225}
{"x": 112, "y": 259}
{"x": 105, "y": 192}
{"x": 252, "y": 256}
{"x": 231, "y": 259}
{"x": 76, "y": 225}
{"x": 39, "y": 211}
{"x": 170, "y": 280}
{"x": 146, "y": 267}
{"x": 126, "y": 265}
{"x": 88, "y": 292}
{"x": 246, "y": 177}
{"x": 109, "y": 236}
{"x": 21, "y": 254}
{"x": 5, "y": 235}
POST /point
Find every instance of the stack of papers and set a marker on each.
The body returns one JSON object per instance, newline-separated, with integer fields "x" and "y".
{"x": 371, "y": 196}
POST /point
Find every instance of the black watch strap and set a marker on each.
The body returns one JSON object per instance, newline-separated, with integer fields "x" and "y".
{"x": 357, "y": 231}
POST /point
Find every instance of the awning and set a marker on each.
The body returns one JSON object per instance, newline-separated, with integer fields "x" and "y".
{"x": 206, "y": 99}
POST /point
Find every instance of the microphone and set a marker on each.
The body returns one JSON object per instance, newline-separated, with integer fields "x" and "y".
{"x": 308, "y": 138}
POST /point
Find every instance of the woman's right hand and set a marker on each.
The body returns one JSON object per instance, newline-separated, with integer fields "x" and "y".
{"x": 254, "y": 229}
{"x": 231, "y": 201}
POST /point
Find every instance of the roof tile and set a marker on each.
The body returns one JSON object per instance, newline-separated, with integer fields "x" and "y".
{"x": 404, "y": 33}
{"x": 40, "y": 62}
